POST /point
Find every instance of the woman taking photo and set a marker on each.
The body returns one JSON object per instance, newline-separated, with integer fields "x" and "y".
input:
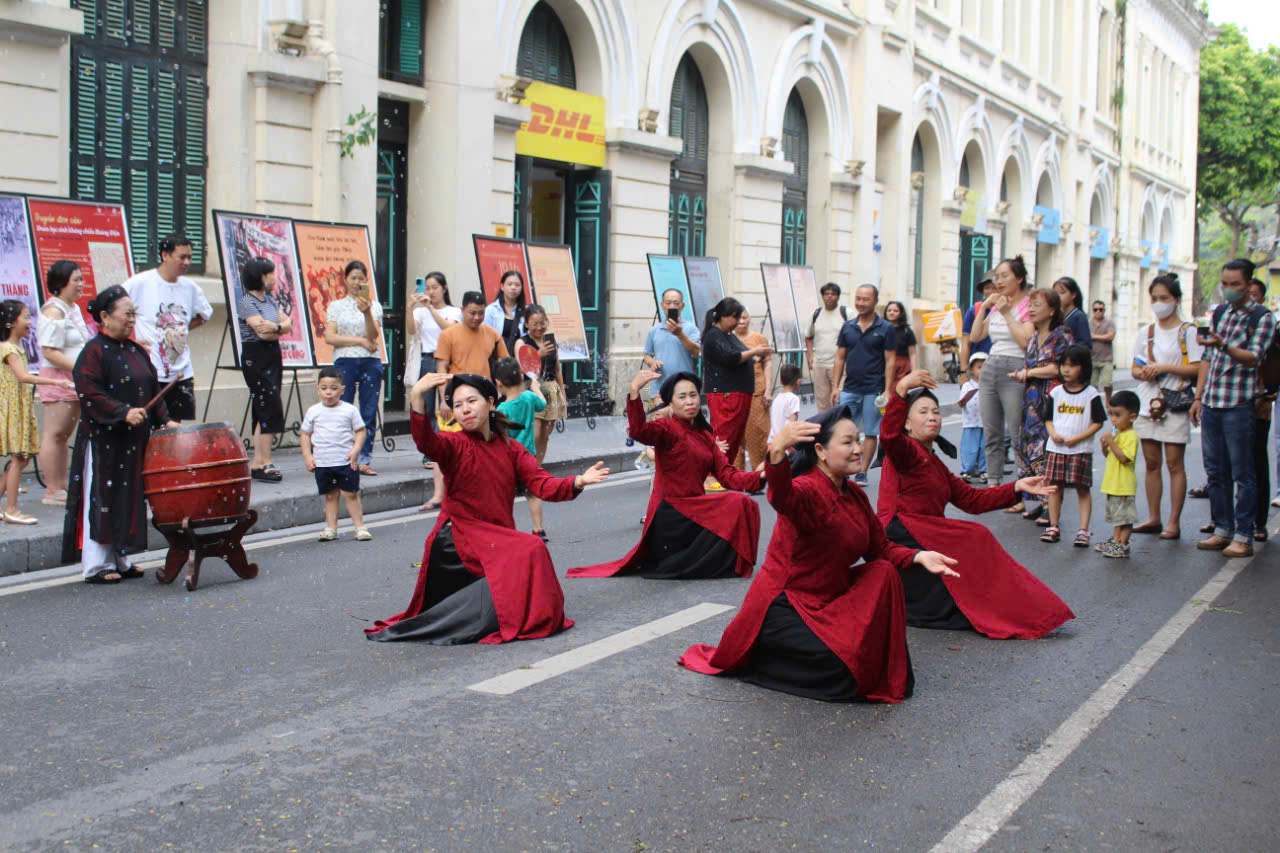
{"x": 106, "y": 518}
{"x": 816, "y": 622}
{"x": 353, "y": 327}
{"x": 728, "y": 373}
{"x": 62, "y": 334}
{"x": 688, "y": 535}
{"x": 998, "y": 597}
{"x": 538, "y": 354}
{"x": 900, "y": 346}
{"x": 262, "y": 323}
{"x": 1003, "y": 317}
{"x": 481, "y": 580}
{"x": 505, "y": 315}
{"x": 432, "y": 313}
{"x": 1039, "y": 375}
{"x": 1166, "y": 361}
{"x": 1073, "y": 316}
{"x": 756, "y": 433}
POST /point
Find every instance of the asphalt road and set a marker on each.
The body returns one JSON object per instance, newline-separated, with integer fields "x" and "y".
{"x": 253, "y": 715}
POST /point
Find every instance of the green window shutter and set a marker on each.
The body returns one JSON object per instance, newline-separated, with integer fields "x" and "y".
{"x": 140, "y": 112}
{"x": 193, "y": 216}
{"x": 167, "y": 20}
{"x": 166, "y": 203}
{"x": 113, "y": 111}
{"x": 544, "y": 52}
{"x": 140, "y": 208}
{"x": 410, "y": 52}
{"x": 197, "y": 27}
{"x": 114, "y": 17}
{"x": 85, "y": 128}
{"x": 89, "y": 8}
{"x": 166, "y": 116}
{"x": 142, "y": 22}
{"x": 194, "y": 105}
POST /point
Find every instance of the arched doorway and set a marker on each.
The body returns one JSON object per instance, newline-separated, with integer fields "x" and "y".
{"x": 1011, "y": 209}
{"x": 1099, "y": 246}
{"x": 1047, "y": 239}
{"x": 690, "y": 120}
{"x": 922, "y": 219}
{"x": 795, "y": 189}
{"x": 976, "y": 245}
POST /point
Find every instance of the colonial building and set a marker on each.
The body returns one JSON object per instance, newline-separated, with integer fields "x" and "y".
{"x": 907, "y": 143}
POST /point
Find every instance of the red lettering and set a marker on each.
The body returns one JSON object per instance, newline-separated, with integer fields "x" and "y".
{"x": 541, "y": 118}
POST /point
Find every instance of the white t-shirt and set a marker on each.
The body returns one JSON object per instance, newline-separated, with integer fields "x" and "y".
{"x": 1166, "y": 350}
{"x": 165, "y": 311}
{"x": 1002, "y": 342}
{"x": 784, "y": 406}
{"x": 333, "y": 433}
{"x": 972, "y": 414}
{"x": 1073, "y": 413}
{"x": 428, "y": 329}
{"x": 349, "y": 322}
{"x": 825, "y": 331}
{"x": 68, "y": 333}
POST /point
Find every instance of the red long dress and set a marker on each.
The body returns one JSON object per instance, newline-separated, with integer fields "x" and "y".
{"x": 857, "y": 611}
{"x": 994, "y": 592}
{"x": 522, "y": 579}
{"x": 685, "y": 456}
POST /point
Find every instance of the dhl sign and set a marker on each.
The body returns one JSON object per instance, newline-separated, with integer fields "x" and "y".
{"x": 565, "y": 125}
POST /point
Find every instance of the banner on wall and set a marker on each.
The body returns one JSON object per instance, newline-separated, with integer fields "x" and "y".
{"x": 705, "y": 285}
{"x": 1164, "y": 257}
{"x": 242, "y": 236}
{"x": 556, "y": 285}
{"x": 324, "y": 250}
{"x": 787, "y": 334}
{"x": 94, "y": 235}
{"x": 1145, "y": 261}
{"x": 804, "y": 289}
{"x": 496, "y": 256}
{"x": 17, "y": 266}
{"x": 667, "y": 272}
{"x": 1100, "y": 244}
{"x": 564, "y": 125}
{"x": 877, "y": 246}
{"x": 1051, "y": 226}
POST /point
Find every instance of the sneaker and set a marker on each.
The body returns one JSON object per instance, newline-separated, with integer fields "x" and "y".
{"x": 860, "y": 479}
{"x": 1115, "y": 551}
{"x": 328, "y": 535}
{"x": 643, "y": 463}
{"x": 1102, "y": 546}
{"x": 363, "y": 534}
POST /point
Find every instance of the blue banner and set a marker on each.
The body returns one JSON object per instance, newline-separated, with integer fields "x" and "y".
{"x": 1100, "y": 246}
{"x": 1050, "y": 226}
{"x": 667, "y": 272}
{"x": 1145, "y": 246}
{"x": 1164, "y": 257}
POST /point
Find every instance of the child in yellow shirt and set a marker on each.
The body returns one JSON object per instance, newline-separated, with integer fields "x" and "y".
{"x": 1120, "y": 478}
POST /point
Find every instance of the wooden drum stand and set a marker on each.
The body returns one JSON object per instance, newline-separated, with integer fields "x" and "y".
{"x": 186, "y": 536}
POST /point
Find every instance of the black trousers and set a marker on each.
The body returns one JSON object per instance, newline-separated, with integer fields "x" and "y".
{"x": 263, "y": 367}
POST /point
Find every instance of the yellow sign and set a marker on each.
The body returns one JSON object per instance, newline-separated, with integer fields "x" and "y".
{"x": 942, "y": 325}
{"x": 566, "y": 125}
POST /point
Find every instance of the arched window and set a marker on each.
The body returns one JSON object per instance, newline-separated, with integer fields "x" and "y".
{"x": 795, "y": 189}
{"x": 687, "y": 209}
{"x": 545, "y": 54}
{"x": 917, "y": 216}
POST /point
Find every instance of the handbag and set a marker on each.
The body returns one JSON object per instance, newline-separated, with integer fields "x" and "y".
{"x": 413, "y": 363}
{"x": 1176, "y": 400}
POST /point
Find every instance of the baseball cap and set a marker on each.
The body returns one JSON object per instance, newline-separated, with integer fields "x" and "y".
{"x": 977, "y": 356}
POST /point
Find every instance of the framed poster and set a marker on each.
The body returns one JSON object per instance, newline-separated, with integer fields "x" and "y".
{"x": 556, "y": 284}
{"x": 241, "y": 236}
{"x": 17, "y": 266}
{"x": 705, "y": 286}
{"x": 787, "y": 334}
{"x": 804, "y": 289}
{"x": 495, "y": 256}
{"x": 667, "y": 272}
{"x": 324, "y": 250}
{"x": 94, "y": 235}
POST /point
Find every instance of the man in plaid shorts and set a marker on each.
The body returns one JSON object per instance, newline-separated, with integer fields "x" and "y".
{"x": 1238, "y": 337}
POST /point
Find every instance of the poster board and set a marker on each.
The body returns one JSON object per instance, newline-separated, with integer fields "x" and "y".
{"x": 944, "y": 325}
{"x": 495, "y": 256}
{"x": 241, "y": 236}
{"x": 787, "y": 334}
{"x": 556, "y": 283}
{"x": 667, "y": 272}
{"x": 804, "y": 289}
{"x": 18, "y": 279}
{"x": 92, "y": 234}
{"x": 705, "y": 285}
{"x": 324, "y": 250}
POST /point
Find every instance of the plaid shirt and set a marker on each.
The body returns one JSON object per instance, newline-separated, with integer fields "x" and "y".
{"x": 1230, "y": 383}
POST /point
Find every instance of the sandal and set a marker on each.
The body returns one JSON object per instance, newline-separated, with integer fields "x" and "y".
{"x": 1033, "y": 514}
{"x": 1199, "y": 492}
{"x": 1016, "y": 508}
{"x": 368, "y": 471}
{"x": 1208, "y": 528}
{"x": 131, "y": 573}
{"x": 1260, "y": 535}
{"x": 1147, "y": 527}
{"x": 267, "y": 473}
{"x": 541, "y": 534}
{"x": 1082, "y": 539}
{"x": 1051, "y": 534}
{"x": 108, "y": 577}
{"x": 1042, "y": 522}
{"x": 1168, "y": 535}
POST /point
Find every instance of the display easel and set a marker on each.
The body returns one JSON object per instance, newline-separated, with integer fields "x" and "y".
{"x": 295, "y": 393}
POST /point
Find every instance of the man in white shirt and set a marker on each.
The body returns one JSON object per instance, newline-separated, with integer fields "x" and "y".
{"x": 169, "y": 305}
{"x": 820, "y": 343}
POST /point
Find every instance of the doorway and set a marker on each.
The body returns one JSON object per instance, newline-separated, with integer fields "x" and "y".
{"x": 391, "y": 235}
{"x": 975, "y": 260}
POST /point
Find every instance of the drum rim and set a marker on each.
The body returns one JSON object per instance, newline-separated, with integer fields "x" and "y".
{"x": 192, "y": 427}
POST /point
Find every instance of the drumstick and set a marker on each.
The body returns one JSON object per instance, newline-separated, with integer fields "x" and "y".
{"x": 163, "y": 391}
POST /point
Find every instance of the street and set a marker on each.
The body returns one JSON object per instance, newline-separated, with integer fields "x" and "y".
{"x": 254, "y": 715}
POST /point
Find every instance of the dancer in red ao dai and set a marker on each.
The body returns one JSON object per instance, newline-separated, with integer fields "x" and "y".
{"x": 998, "y": 596}
{"x": 816, "y": 622}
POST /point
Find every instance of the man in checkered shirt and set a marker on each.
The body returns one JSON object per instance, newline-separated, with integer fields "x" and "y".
{"x": 1225, "y": 392}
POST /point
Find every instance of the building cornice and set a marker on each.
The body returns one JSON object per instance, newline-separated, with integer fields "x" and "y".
{"x": 629, "y": 140}
{"x": 1182, "y": 15}
{"x": 39, "y": 23}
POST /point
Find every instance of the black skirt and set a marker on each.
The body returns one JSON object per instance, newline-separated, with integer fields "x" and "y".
{"x": 680, "y": 549}
{"x": 458, "y": 608}
{"x": 929, "y": 602}
{"x": 260, "y": 362}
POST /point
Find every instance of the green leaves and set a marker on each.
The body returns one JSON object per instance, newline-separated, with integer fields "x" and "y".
{"x": 361, "y": 129}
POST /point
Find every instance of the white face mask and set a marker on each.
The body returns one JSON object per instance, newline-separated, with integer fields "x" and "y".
{"x": 1163, "y": 309}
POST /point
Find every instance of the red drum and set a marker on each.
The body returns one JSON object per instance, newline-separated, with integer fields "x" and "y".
{"x": 196, "y": 472}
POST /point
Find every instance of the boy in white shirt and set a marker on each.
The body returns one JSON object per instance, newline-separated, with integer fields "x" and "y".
{"x": 973, "y": 458}
{"x": 332, "y": 435}
{"x": 169, "y": 305}
{"x": 786, "y": 406}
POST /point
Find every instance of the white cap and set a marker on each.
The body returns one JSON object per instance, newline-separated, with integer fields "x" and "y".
{"x": 977, "y": 356}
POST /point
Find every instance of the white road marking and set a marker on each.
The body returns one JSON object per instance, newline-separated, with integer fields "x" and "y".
{"x": 527, "y": 676}
{"x": 981, "y": 824}
{"x": 272, "y": 541}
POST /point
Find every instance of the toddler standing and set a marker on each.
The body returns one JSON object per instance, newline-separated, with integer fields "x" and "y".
{"x": 973, "y": 459}
{"x": 521, "y": 406}
{"x": 1077, "y": 415}
{"x": 1120, "y": 479}
{"x": 332, "y": 436}
{"x": 786, "y": 406}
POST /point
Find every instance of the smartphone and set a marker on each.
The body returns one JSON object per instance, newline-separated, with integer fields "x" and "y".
{"x": 421, "y": 285}
{"x": 673, "y": 314}
{"x": 550, "y": 338}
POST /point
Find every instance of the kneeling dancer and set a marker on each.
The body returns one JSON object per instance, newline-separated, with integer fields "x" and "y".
{"x": 813, "y": 623}
{"x": 481, "y": 579}
{"x": 999, "y": 597}
{"x": 688, "y": 535}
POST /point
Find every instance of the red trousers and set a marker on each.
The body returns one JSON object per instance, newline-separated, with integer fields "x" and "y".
{"x": 729, "y": 413}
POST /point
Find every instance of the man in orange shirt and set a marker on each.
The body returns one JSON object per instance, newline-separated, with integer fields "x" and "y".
{"x": 468, "y": 346}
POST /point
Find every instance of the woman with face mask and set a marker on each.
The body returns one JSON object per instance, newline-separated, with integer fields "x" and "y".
{"x": 824, "y": 619}
{"x": 688, "y": 534}
{"x": 1166, "y": 360}
{"x": 995, "y": 595}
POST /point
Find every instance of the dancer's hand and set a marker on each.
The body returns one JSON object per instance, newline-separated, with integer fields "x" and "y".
{"x": 791, "y": 434}
{"x": 597, "y": 473}
{"x": 935, "y": 563}
{"x": 1035, "y": 486}
{"x": 641, "y": 379}
{"x": 724, "y": 446}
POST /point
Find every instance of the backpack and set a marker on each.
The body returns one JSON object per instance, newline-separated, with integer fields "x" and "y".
{"x": 844, "y": 315}
{"x": 1269, "y": 364}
